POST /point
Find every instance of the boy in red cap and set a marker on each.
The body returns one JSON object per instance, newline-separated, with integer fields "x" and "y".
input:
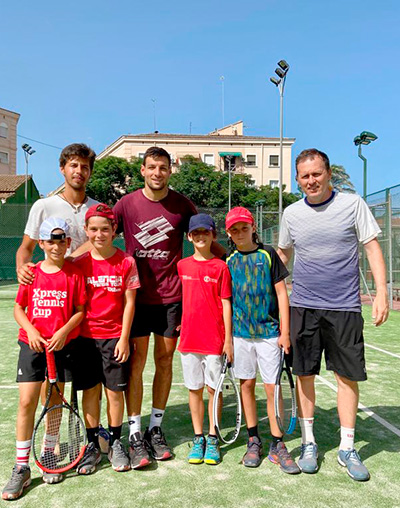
{"x": 111, "y": 282}
{"x": 260, "y": 310}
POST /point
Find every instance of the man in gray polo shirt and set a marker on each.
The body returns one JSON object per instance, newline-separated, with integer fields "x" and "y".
{"x": 324, "y": 230}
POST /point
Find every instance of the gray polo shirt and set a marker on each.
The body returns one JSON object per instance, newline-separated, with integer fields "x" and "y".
{"x": 325, "y": 239}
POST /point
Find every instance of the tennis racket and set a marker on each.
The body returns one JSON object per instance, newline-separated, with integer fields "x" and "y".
{"x": 59, "y": 436}
{"x": 227, "y": 409}
{"x": 285, "y": 397}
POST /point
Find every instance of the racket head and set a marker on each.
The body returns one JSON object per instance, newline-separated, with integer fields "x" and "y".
{"x": 59, "y": 439}
{"x": 285, "y": 398}
{"x": 227, "y": 408}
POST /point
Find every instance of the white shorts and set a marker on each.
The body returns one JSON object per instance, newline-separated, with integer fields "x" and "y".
{"x": 252, "y": 353}
{"x": 200, "y": 370}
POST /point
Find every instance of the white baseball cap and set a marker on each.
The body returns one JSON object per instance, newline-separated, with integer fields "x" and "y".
{"x": 49, "y": 225}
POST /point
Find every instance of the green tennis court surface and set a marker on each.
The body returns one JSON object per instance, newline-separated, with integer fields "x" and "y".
{"x": 176, "y": 483}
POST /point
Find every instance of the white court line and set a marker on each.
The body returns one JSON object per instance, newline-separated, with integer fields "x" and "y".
{"x": 366, "y": 410}
{"x": 382, "y": 350}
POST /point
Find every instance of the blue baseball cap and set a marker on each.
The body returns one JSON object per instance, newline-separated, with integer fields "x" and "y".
{"x": 49, "y": 225}
{"x": 201, "y": 221}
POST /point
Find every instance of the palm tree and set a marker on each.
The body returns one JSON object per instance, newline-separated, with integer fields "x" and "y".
{"x": 341, "y": 180}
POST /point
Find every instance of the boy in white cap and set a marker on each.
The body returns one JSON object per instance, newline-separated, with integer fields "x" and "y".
{"x": 48, "y": 311}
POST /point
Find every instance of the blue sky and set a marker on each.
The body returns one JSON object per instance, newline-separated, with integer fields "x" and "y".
{"x": 88, "y": 71}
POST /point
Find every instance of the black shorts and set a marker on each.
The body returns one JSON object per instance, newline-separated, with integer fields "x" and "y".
{"x": 94, "y": 363}
{"x": 338, "y": 333}
{"x": 159, "y": 319}
{"x": 32, "y": 365}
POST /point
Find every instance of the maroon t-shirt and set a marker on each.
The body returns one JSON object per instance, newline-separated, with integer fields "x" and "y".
{"x": 153, "y": 232}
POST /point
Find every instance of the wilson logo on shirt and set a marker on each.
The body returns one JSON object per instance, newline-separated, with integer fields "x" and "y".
{"x": 112, "y": 283}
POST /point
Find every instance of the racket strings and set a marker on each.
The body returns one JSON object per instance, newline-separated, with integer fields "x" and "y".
{"x": 228, "y": 411}
{"x": 285, "y": 403}
{"x": 59, "y": 437}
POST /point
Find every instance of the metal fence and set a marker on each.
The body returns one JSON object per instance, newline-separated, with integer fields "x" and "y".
{"x": 385, "y": 205}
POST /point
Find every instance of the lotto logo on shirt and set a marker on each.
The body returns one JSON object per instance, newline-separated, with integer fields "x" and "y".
{"x": 43, "y": 300}
{"x": 152, "y": 232}
{"x": 113, "y": 283}
{"x": 209, "y": 279}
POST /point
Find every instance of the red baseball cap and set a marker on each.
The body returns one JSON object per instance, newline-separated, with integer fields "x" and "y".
{"x": 238, "y": 214}
{"x": 100, "y": 210}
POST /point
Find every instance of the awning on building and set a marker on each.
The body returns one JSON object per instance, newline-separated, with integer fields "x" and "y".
{"x": 230, "y": 154}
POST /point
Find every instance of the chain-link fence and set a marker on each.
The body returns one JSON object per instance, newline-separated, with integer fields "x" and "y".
{"x": 385, "y": 205}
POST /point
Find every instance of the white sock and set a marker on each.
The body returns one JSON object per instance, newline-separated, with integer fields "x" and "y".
{"x": 135, "y": 424}
{"x": 23, "y": 451}
{"x": 156, "y": 417}
{"x": 49, "y": 442}
{"x": 307, "y": 430}
{"x": 346, "y": 439}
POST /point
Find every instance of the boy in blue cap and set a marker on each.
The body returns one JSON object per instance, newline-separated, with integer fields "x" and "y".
{"x": 206, "y": 285}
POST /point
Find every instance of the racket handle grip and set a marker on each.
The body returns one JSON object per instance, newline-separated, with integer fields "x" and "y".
{"x": 51, "y": 366}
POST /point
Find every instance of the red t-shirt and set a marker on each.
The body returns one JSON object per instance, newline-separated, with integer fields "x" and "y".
{"x": 204, "y": 283}
{"x": 51, "y": 300}
{"x": 106, "y": 282}
{"x": 153, "y": 232}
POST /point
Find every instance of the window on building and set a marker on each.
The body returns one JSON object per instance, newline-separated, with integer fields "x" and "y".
{"x": 140, "y": 155}
{"x": 274, "y": 183}
{"x": 274, "y": 161}
{"x": 3, "y": 130}
{"x": 208, "y": 158}
{"x": 251, "y": 160}
{"x": 4, "y": 157}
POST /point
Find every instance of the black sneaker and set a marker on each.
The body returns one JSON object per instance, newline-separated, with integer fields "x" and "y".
{"x": 90, "y": 459}
{"x": 138, "y": 454}
{"x": 20, "y": 479}
{"x": 156, "y": 443}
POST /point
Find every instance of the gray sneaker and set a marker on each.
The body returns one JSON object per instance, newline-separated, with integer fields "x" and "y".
{"x": 253, "y": 455}
{"x": 118, "y": 457}
{"x": 355, "y": 468}
{"x": 89, "y": 461}
{"x": 52, "y": 477}
{"x": 20, "y": 479}
{"x": 308, "y": 461}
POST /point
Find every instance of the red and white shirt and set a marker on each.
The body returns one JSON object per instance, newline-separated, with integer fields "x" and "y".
{"x": 51, "y": 300}
{"x": 204, "y": 284}
{"x": 106, "y": 282}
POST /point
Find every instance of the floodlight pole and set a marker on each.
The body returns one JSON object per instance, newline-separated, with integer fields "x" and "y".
{"x": 281, "y": 71}
{"x": 28, "y": 151}
{"x": 364, "y": 173}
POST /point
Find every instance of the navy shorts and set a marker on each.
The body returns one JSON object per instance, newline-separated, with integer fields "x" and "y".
{"x": 162, "y": 320}
{"x": 339, "y": 334}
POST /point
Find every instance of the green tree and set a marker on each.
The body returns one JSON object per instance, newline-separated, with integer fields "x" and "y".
{"x": 341, "y": 179}
{"x": 113, "y": 177}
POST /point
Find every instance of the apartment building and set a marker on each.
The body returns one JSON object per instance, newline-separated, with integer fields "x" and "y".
{"x": 8, "y": 142}
{"x": 225, "y": 148}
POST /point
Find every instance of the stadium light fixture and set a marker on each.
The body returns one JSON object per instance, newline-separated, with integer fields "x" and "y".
{"x": 365, "y": 138}
{"x": 280, "y": 71}
{"x": 28, "y": 151}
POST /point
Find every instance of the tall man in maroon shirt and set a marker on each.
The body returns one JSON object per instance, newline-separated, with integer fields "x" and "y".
{"x": 154, "y": 220}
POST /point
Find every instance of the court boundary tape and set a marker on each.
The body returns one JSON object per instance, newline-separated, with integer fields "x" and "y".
{"x": 382, "y": 350}
{"x": 365, "y": 409}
